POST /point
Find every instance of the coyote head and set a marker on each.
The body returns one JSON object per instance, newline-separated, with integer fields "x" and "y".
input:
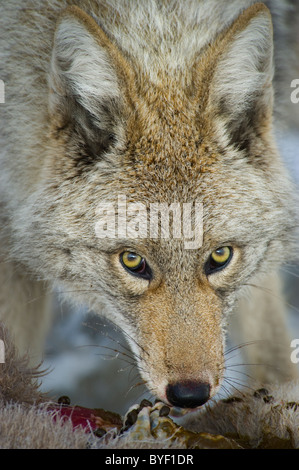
{"x": 162, "y": 132}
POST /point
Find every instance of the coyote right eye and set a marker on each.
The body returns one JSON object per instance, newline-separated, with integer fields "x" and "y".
{"x": 135, "y": 265}
{"x": 219, "y": 259}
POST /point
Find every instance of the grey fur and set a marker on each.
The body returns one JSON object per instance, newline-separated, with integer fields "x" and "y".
{"x": 54, "y": 175}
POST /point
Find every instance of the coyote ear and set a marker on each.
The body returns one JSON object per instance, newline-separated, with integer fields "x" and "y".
{"x": 86, "y": 81}
{"x": 241, "y": 89}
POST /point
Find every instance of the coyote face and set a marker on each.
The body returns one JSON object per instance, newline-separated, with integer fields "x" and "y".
{"x": 173, "y": 129}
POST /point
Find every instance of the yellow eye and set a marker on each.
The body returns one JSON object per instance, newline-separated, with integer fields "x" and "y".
{"x": 131, "y": 260}
{"x": 135, "y": 265}
{"x": 221, "y": 255}
{"x": 218, "y": 259}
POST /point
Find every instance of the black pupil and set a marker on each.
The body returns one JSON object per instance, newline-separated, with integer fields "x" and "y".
{"x": 220, "y": 252}
{"x": 133, "y": 257}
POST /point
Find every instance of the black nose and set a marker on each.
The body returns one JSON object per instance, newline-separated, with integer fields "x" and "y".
{"x": 188, "y": 394}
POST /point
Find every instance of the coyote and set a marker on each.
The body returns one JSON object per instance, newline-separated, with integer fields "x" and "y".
{"x": 160, "y": 102}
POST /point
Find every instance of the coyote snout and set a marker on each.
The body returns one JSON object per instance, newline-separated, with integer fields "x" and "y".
{"x": 181, "y": 340}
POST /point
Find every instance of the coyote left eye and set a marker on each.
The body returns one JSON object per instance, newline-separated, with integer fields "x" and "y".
{"x": 135, "y": 264}
{"x": 218, "y": 259}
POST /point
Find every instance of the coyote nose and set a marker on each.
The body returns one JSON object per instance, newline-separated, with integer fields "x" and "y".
{"x": 188, "y": 394}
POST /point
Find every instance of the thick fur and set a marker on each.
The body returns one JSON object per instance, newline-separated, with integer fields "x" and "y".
{"x": 162, "y": 102}
{"x": 250, "y": 420}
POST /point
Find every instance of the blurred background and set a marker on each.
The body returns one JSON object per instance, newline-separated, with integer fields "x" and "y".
{"x": 89, "y": 360}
